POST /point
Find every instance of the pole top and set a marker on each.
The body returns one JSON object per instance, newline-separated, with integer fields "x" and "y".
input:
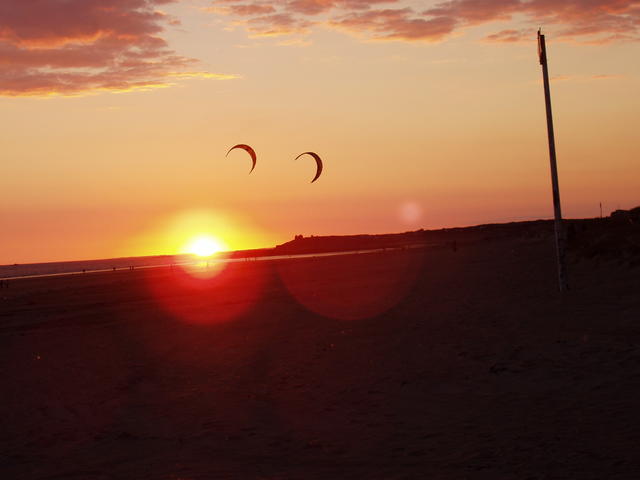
{"x": 542, "y": 48}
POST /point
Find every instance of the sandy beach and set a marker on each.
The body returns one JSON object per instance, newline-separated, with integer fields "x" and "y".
{"x": 320, "y": 240}
{"x": 425, "y": 363}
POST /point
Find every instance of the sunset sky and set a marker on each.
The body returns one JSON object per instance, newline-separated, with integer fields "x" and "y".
{"x": 116, "y": 117}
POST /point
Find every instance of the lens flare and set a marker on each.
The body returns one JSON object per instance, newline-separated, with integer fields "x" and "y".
{"x": 208, "y": 294}
{"x": 410, "y": 212}
{"x": 203, "y": 287}
{"x": 352, "y": 287}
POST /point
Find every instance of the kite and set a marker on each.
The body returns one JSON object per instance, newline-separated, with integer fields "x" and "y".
{"x": 247, "y": 149}
{"x": 318, "y": 163}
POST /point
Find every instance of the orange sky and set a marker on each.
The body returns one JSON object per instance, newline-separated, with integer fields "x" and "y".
{"x": 115, "y": 122}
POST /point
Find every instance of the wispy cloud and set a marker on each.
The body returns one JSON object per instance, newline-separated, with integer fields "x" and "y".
{"x": 73, "y": 47}
{"x": 511, "y": 36}
{"x": 395, "y": 24}
{"x": 587, "y": 78}
{"x": 588, "y": 21}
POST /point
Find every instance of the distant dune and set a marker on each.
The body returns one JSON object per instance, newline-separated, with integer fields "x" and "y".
{"x": 617, "y": 235}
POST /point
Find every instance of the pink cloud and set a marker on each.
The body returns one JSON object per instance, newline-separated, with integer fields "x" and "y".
{"x": 314, "y": 7}
{"x": 76, "y": 46}
{"x": 512, "y": 36}
{"x": 396, "y": 24}
{"x": 588, "y": 21}
{"x": 569, "y": 18}
{"x": 276, "y": 24}
{"x": 474, "y": 12}
{"x": 247, "y": 10}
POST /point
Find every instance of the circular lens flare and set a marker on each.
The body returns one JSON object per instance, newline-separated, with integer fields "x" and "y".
{"x": 352, "y": 287}
{"x": 204, "y": 286}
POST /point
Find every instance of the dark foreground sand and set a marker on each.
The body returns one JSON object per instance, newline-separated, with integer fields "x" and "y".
{"x": 478, "y": 369}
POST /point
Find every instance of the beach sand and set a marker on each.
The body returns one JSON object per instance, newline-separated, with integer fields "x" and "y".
{"x": 408, "y": 364}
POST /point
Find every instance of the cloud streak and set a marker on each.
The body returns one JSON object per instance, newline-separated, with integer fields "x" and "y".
{"x": 71, "y": 47}
{"x": 588, "y": 21}
{"x": 587, "y": 78}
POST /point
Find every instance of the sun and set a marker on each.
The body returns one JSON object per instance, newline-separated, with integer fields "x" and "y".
{"x": 204, "y": 246}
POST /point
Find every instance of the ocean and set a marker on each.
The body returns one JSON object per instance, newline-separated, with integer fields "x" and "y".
{"x": 20, "y": 270}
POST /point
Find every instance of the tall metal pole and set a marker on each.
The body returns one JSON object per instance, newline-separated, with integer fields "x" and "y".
{"x": 560, "y": 234}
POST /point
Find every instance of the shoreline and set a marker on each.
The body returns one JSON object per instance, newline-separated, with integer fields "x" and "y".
{"x": 213, "y": 261}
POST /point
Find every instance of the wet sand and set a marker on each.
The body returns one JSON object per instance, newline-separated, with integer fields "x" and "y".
{"x": 411, "y": 364}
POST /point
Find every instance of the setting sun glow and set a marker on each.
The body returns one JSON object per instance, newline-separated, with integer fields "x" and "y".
{"x": 204, "y": 246}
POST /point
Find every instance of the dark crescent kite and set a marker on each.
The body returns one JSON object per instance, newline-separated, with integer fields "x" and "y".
{"x": 247, "y": 149}
{"x": 318, "y": 163}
